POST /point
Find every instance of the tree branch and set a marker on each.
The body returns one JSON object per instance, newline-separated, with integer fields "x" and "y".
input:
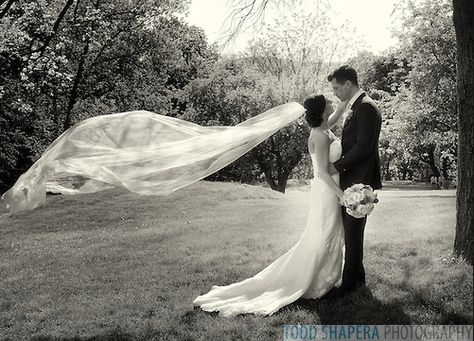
{"x": 7, "y": 7}
{"x": 58, "y": 21}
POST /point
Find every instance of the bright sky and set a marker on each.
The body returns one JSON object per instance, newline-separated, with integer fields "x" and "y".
{"x": 372, "y": 19}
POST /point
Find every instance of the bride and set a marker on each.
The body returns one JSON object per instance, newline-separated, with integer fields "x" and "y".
{"x": 152, "y": 154}
{"x": 314, "y": 264}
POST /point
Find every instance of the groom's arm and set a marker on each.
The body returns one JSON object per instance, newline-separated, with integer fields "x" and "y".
{"x": 367, "y": 122}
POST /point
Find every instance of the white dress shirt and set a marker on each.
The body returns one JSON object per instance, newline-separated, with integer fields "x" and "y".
{"x": 353, "y": 99}
{"x": 349, "y": 106}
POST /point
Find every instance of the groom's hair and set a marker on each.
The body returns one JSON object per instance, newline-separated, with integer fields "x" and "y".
{"x": 344, "y": 73}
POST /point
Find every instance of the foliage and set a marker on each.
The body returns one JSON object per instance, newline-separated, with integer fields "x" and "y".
{"x": 232, "y": 93}
{"x": 286, "y": 62}
{"x": 300, "y": 56}
{"x": 414, "y": 86}
{"x": 427, "y": 106}
{"x": 61, "y": 63}
{"x": 387, "y": 73}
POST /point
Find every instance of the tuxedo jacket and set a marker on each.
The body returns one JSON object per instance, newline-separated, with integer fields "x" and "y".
{"x": 360, "y": 162}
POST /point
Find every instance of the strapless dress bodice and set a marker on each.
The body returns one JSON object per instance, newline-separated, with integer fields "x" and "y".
{"x": 335, "y": 151}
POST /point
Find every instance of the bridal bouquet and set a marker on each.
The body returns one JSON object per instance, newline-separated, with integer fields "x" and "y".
{"x": 359, "y": 199}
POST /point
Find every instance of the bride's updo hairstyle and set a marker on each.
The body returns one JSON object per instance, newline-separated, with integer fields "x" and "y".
{"x": 315, "y": 107}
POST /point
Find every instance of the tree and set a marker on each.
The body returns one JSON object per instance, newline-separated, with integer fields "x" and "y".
{"x": 286, "y": 62}
{"x": 299, "y": 57}
{"x": 232, "y": 93}
{"x": 420, "y": 77}
{"x": 387, "y": 73}
{"x": 383, "y": 77}
{"x": 463, "y": 14}
{"x": 251, "y": 13}
{"x": 61, "y": 62}
{"x": 295, "y": 60}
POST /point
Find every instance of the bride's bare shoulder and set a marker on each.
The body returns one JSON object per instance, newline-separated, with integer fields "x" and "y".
{"x": 318, "y": 135}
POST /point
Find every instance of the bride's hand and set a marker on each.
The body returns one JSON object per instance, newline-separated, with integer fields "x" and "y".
{"x": 341, "y": 106}
{"x": 341, "y": 197}
{"x": 332, "y": 169}
{"x": 337, "y": 114}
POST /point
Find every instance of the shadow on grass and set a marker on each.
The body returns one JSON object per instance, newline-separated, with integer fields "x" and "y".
{"x": 425, "y": 196}
{"x": 118, "y": 334}
{"x": 115, "y": 335}
{"x": 428, "y": 298}
{"x": 360, "y": 307}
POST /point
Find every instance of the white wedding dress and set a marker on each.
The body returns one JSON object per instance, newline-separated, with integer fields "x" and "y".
{"x": 309, "y": 269}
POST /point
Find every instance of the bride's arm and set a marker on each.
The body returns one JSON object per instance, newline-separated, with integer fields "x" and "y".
{"x": 321, "y": 145}
{"x": 336, "y": 115}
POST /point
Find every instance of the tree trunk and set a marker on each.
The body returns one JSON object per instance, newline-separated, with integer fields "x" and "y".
{"x": 75, "y": 86}
{"x": 280, "y": 184}
{"x": 432, "y": 163}
{"x": 404, "y": 170}
{"x": 282, "y": 181}
{"x": 388, "y": 176}
{"x": 463, "y": 22}
{"x": 55, "y": 29}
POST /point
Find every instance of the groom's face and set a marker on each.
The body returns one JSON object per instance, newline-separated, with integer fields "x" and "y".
{"x": 341, "y": 90}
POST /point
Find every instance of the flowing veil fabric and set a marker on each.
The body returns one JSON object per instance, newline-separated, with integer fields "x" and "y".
{"x": 141, "y": 151}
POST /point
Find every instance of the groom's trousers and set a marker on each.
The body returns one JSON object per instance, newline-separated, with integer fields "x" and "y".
{"x": 353, "y": 273}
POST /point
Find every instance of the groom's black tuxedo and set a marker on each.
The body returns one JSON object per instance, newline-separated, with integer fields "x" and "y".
{"x": 359, "y": 163}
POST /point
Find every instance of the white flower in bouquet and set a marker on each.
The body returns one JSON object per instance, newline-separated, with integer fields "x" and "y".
{"x": 359, "y": 199}
{"x": 365, "y": 209}
{"x": 358, "y": 196}
{"x": 367, "y": 193}
{"x": 349, "y": 197}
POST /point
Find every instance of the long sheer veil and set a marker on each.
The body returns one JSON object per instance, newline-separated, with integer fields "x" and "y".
{"x": 141, "y": 151}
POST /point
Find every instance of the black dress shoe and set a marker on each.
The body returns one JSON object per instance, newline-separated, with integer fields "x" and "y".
{"x": 360, "y": 283}
{"x": 353, "y": 288}
{"x": 353, "y": 285}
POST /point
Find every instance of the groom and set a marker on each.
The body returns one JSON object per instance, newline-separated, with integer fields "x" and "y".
{"x": 359, "y": 163}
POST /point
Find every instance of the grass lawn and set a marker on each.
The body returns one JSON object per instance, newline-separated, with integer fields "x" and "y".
{"x": 118, "y": 266}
